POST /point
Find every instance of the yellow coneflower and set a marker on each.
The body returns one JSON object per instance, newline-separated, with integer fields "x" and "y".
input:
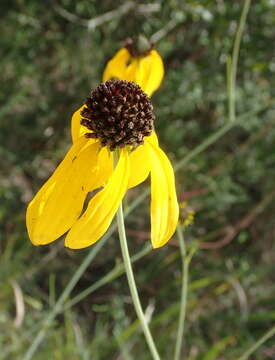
{"x": 118, "y": 119}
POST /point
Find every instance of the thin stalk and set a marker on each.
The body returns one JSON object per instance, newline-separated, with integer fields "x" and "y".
{"x": 184, "y": 289}
{"x": 132, "y": 284}
{"x": 117, "y": 271}
{"x": 230, "y": 90}
{"x": 186, "y": 258}
{"x": 263, "y": 339}
{"x": 232, "y": 67}
{"x": 204, "y": 145}
{"x": 215, "y": 137}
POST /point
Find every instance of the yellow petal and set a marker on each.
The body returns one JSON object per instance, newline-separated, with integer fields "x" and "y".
{"x": 59, "y": 202}
{"x": 153, "y": 72}
{"x": 101, "y": 209}
{"x": 77, "y": 130}
{"x": 140, "y": 163}
{"x": 116, "y": 67}
{"x": 146, "y": 71}
{"x": 164, "y": 204}
{"x": 153, "y": 139}
{"x": 132, "y": 70}
{"x": 105, "y": 166}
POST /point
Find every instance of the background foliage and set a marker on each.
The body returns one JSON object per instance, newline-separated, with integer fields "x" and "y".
{"x": 52, "y": 55}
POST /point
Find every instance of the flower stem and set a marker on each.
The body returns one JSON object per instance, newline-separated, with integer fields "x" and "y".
{"x": 132, "y": 284}
{"x": 254, "y": 347}
{"x": 184, "y": 289}
{"x": 186, "y": 259}
{"x": 232, "y": 63}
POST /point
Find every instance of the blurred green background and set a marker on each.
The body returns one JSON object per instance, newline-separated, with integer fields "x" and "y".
{"x": 53, "y": 53}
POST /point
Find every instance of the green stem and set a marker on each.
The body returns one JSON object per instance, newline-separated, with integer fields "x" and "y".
{"x": 184, "y": 289}
{"x": 214, "y": 137}
{"x": 186, "y": 259}
{"x": 132, "y": 284}
{"x": 232, "y": 66}
{"x": 263, "y": 339}
{"x": 117, "y": 271}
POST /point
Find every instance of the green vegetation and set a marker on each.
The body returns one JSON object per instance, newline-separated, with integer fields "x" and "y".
{"x": 53, "y": 53}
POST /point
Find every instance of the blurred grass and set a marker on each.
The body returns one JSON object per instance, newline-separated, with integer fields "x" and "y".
{"x": 50, "y": 62}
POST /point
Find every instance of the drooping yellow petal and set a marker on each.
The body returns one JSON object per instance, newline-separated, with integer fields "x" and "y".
{"x": 59, "y": 202}
{"x": 140, "y": 166}
{"x": 77, "y": 130}
{"x": 116, "y": 67}
{"x": 105, "y": 166}
{"x": 164, "y": 204}
{"x": 101, "y": 209}
{"x": 140, "y": 163}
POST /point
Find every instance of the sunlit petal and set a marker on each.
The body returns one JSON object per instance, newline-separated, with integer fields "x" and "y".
{"x": 164, "y": 204}
{"x": 146, "y": 71}
{"x": 59, "y": 202}
{"x": 141, "y": 162}
{"x": 132, "y": 70}
{"x": 154, "y": 71}
{"x": 116, "y": 67}
{"x": 97, "y": 218}
{"x": 153, "y": 138}
{"x": 77, "y": 130}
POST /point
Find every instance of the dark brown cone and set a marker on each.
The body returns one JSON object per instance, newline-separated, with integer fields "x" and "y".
{"x": 118, "y": 113}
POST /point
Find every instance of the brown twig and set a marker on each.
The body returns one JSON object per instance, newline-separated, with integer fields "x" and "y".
{"x": 108, "y": 16}
{"x": 233, "y": 230}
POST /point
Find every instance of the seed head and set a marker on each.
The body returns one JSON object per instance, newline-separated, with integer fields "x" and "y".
{"x": 119, "y": 114}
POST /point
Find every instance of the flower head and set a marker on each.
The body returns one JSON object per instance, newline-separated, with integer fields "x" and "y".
{"x": 137, "y": 61}
{"x": 118, "y": 113}
{"x": 117, "y": 116}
